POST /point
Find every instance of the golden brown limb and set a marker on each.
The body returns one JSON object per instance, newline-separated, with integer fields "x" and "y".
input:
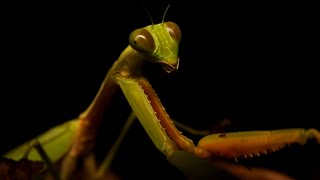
{"x": 250, "y": 143}
{"x": 181, "y": 141}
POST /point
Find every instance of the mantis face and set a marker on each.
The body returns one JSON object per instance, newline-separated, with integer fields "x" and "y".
{"x": 160, "y": 43}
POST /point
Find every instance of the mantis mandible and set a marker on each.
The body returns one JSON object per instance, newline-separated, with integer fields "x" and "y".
{"x": 156, "y": 43}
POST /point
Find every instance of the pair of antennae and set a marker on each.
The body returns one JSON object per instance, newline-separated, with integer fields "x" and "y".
{"x": 165, "y": 12}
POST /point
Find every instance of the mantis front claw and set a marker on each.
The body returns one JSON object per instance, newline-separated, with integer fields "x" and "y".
{"x": 228, "y": 145}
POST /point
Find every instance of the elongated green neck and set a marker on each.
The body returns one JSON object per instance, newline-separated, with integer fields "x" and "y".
{"x": 128, "y": 65}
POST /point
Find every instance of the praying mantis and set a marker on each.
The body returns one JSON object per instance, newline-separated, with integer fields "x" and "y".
{"x": 159, "y": 44}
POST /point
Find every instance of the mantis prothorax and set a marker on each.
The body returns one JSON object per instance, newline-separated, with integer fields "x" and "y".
{"x": 156, "y": 43}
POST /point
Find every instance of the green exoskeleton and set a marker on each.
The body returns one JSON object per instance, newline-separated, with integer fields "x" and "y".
{"x": 68, "y": 144}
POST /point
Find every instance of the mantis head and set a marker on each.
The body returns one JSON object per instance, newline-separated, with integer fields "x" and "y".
{"x": 159, "y": 43}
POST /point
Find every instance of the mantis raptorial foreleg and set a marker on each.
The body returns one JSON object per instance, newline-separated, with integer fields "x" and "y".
{"x": 229, "y": 145}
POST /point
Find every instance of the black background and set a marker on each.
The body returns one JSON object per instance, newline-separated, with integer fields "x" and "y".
{"x": 254, "y": 64}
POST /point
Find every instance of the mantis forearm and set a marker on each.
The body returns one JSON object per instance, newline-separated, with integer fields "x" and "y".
{"x": 146, "y": 115}
{"x": 164, "y": 119}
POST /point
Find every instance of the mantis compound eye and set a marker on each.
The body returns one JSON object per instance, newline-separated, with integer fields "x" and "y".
{"x": 173, "y": 30}
{"x": 141, "y": 40}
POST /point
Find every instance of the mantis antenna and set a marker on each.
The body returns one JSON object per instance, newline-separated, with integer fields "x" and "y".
{"x": 165, "y": 12}
{"x": 149, "y": 16}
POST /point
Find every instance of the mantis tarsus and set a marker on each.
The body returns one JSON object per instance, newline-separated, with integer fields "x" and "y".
{"x": 157, "y": 43}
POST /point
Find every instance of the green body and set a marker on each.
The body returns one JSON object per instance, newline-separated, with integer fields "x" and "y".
{"x": 55, "y": 141}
